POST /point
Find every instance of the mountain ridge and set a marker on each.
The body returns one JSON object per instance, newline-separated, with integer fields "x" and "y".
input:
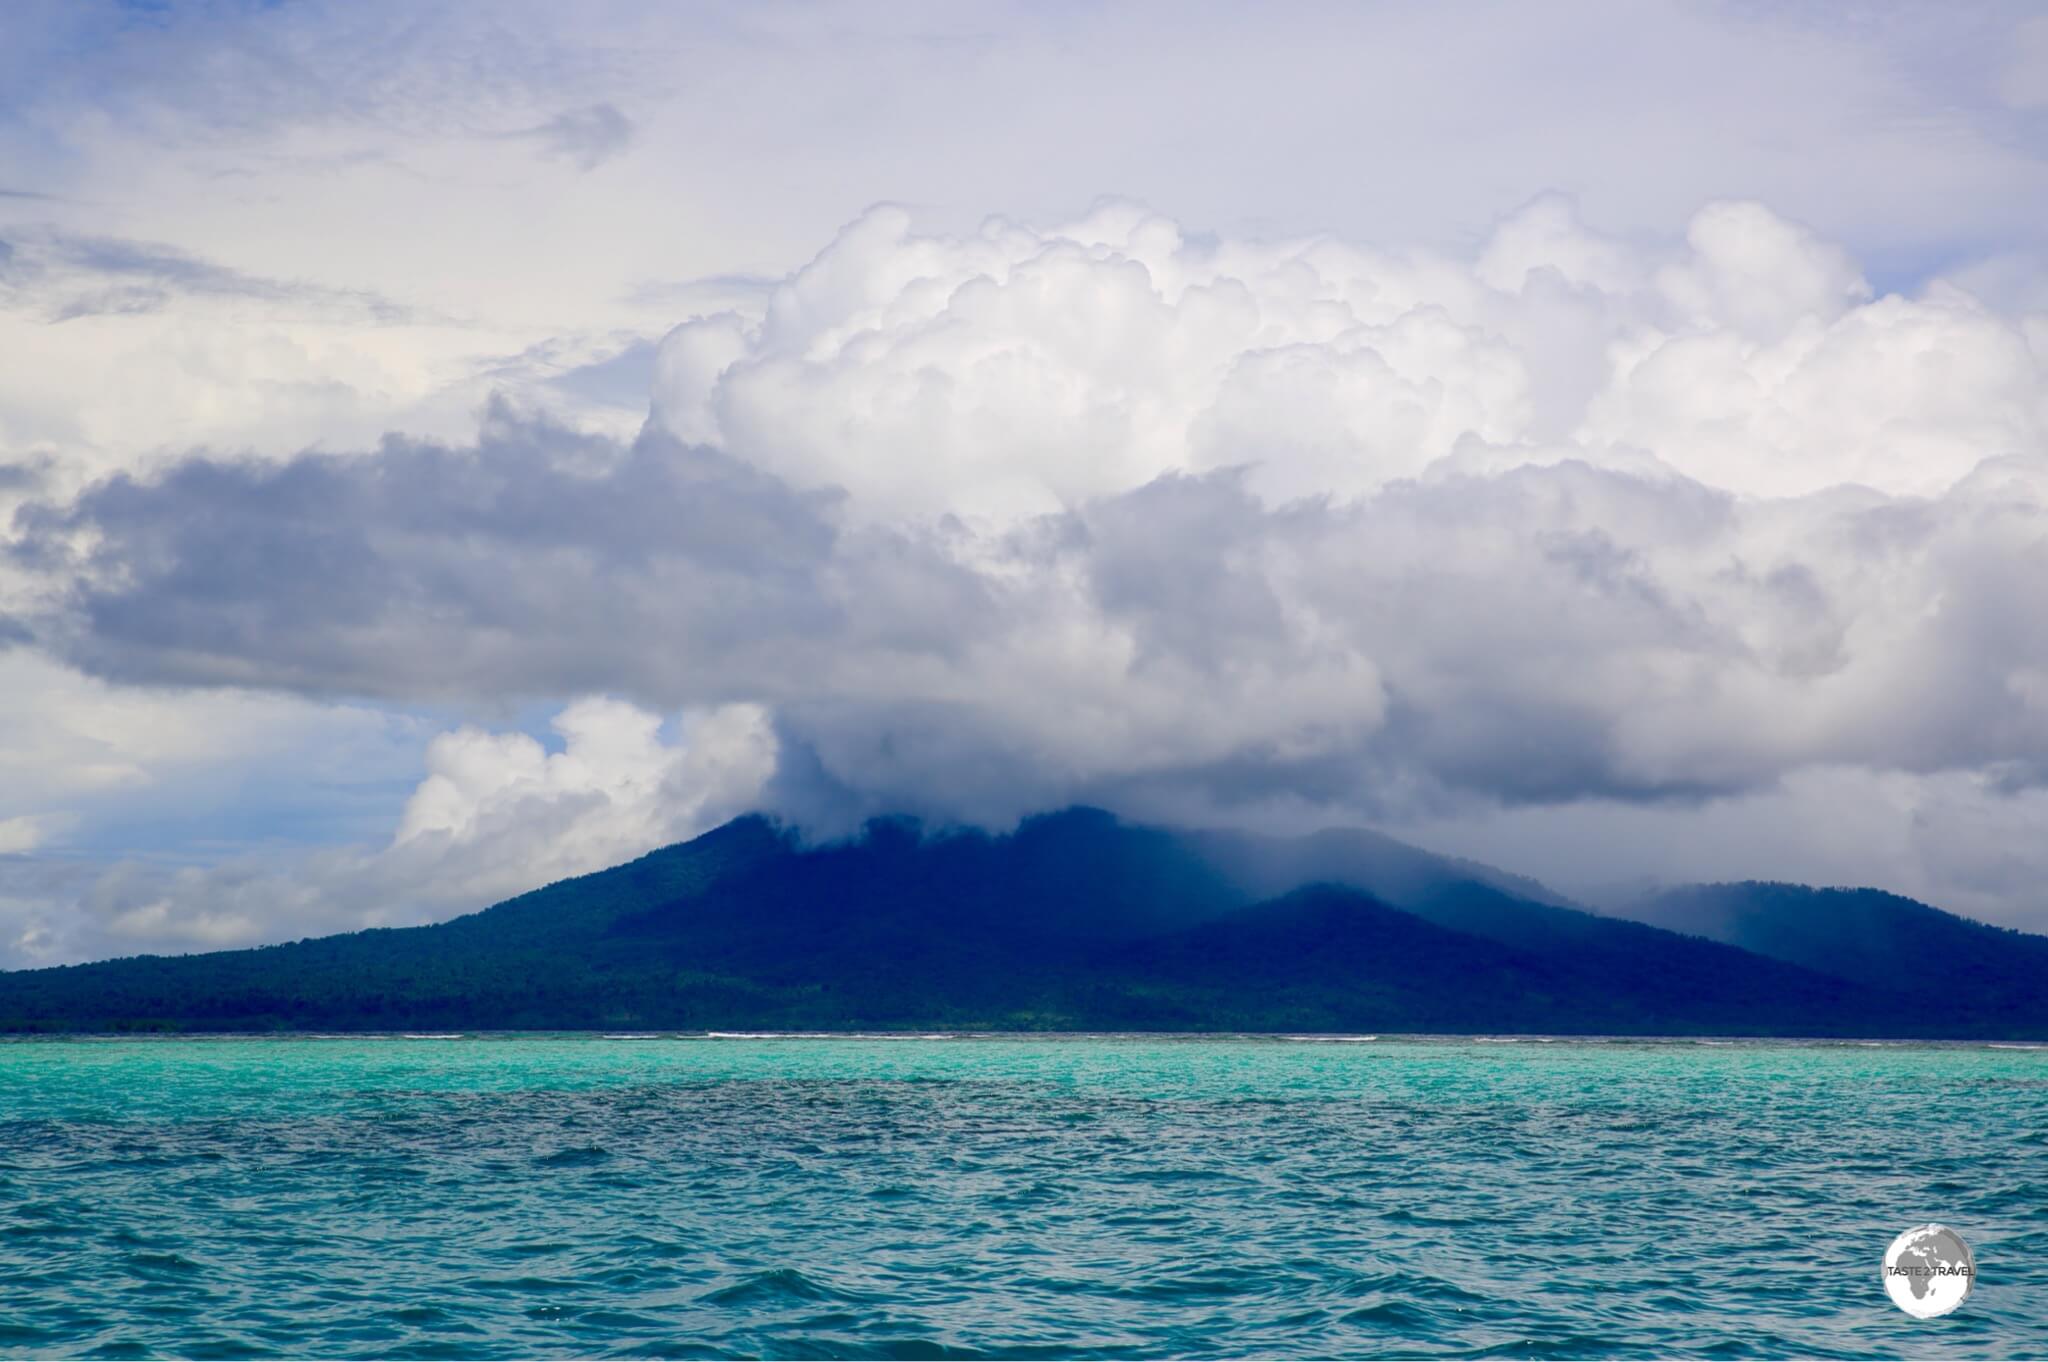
{"x": 1868, "y": 936}
{"x": 1073, "y": 921}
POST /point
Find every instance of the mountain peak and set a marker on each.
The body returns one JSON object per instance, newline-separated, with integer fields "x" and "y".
{"x": 1077, "y": 920}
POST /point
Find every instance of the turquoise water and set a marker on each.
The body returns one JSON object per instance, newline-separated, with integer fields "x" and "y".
{"x": 518, "y": 1196}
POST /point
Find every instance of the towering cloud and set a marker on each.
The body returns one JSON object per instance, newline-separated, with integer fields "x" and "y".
{"x": 1184, "y": 524}
{"x": 1020, "y": 371}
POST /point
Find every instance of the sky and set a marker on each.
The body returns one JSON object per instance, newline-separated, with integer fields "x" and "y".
{"x": 445, "y": 448}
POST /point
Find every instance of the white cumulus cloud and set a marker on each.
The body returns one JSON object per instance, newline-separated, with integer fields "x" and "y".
{"x": 496, "y": 814}
{"x": 513, "y": 814}
{"x": 1019, "y": 370}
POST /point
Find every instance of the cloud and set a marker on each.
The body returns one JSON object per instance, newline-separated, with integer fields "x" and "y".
{"x": 586, "y": 137}
{"x": 1188, "y": 525}
{"x": 2023, "y": 77}
{"x": 1316, "y": 500}
{"x": 72, "y": 276}
{"x": 20, "y": 476}
{"x": 1031, "y": 515}
{"x": 521, "y": 815}
{"x": 349, "y": 565}
{"x": 495, "y": 815}
{"x": 1021, "y": 371}
{"x": 1956, "y": 838}
{"x": 69, "y": 740}
{"x": 24, "y": 832}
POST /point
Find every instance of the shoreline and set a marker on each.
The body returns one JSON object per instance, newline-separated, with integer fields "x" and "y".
{"x": 1064, "y": 1037}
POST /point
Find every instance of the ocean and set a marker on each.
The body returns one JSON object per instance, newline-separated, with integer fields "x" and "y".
{"x": 661, "y": 1196}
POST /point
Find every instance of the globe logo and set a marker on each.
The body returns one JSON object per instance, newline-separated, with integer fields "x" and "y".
{"x": 1928, "y": 1271}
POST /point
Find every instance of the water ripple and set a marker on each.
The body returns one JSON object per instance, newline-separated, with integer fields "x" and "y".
{"x": 656, "y": 1197}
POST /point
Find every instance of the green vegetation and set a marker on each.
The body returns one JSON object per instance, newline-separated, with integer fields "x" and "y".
{"x": 1075, "y": 922}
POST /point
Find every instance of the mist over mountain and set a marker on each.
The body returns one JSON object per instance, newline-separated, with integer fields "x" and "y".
{"x": 1869, "y": 936}
{"x": 1075, "y": 921}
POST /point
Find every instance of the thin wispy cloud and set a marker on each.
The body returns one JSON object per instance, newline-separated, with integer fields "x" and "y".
{"x": 586, "y": 138}
{"x": 67, "y": 276}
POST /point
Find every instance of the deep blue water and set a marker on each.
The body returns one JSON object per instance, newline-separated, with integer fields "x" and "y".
{"x": 519, "y": 1196}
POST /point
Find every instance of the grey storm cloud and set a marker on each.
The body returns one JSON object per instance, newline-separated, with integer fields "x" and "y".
{"x": 550, "y": 561}
{"x": 1542, "y": 634}
{"x": 23, "y": 475}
